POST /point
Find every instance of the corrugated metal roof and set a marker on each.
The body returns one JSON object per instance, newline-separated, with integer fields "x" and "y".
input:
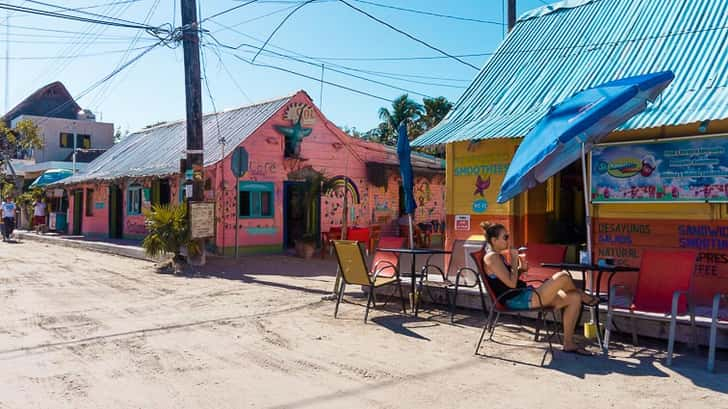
{"x": 558, "y": 50}
{"x": 156, "y": 151}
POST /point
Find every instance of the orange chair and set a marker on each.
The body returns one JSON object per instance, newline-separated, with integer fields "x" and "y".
{"x": 538, "y": 253}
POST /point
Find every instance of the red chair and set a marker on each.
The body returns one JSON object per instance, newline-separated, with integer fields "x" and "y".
{"x": 663, "y": 280}
{"x": 538, "y": 253}
{"x": 497, "y": 307}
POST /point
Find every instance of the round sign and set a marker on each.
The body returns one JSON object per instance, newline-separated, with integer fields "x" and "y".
{"x": 480, "y": 205}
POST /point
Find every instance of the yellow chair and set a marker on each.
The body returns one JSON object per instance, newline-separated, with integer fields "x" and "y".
{"x": 354, "y": 271}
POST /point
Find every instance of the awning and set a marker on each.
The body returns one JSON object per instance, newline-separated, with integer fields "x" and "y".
{"x": 51, "y": 176}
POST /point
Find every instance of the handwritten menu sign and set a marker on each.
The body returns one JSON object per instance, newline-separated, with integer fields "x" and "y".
{"x": 202, "y": 219}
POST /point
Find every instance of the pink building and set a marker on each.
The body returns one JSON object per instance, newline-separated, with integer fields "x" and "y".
{"x": 279, "y": 140}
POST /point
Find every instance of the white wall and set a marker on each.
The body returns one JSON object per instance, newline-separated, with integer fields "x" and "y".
{"x": 102, "y": 135}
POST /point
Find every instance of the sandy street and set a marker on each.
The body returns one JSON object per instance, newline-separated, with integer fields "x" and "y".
{"x": 88, "y": 330}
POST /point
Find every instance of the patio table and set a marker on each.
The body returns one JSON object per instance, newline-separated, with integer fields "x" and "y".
{"x": 599, "y": 269}
{"x": 414, "y": 253}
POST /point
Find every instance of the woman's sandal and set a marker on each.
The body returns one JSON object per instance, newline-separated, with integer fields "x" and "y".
{"x": 593, "y": 302}
{"x": 578, "y": 351}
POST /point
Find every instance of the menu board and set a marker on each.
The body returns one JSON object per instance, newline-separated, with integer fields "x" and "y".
{"x": 684, "y": 170}
{"x": 202, "y": 219}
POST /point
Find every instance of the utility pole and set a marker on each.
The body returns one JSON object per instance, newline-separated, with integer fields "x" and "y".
{"x": 511, "y": 14}
{"x": 7, "y": 58}
{"x": 193, "y": 97}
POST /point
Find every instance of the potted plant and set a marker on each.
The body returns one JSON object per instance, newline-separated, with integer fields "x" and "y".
{"x": 168, "y": 233}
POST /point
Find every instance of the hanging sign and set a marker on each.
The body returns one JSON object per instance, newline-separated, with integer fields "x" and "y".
{"x": 202, "y": 220}
{"x": 462, "y": 222}
{"x": 685, "y": 170}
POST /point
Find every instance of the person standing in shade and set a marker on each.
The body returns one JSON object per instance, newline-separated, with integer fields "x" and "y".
{"x": 39, "y": 214}
{"x": 8, "y": 213}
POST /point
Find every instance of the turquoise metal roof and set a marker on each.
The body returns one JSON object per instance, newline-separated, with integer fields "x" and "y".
{"x": 560, "y": 49}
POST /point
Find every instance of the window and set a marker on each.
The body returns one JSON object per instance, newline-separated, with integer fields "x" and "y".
{"x": 89, "y": 202}
{"x": 82, "y": 141}
{"x": 134, "y": 200}
{"x": 255, "y": 199}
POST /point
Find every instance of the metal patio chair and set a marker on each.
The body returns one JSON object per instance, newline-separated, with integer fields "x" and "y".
{"x": 354, "y": 271}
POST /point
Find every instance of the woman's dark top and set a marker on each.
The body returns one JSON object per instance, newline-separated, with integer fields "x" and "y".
{"x": 499, "y": 287}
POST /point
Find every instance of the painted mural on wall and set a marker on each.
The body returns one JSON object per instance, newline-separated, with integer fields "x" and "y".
{"x": 675, "y": 171}
{"x": 332, "y": 202}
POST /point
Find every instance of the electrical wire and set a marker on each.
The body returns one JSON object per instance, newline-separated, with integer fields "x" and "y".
{"x": 395, "y": 76}
{"x": 408, "y": 35}
{"x": 333, "y": 84}
{"x": 429, "y": 13}
{"x": 281, "y": 25}
{"x": 88, "y": 13}
{"x": 65, "y": 57}
{"x": 230, "y": 75}
{"x": 228, "y": 10}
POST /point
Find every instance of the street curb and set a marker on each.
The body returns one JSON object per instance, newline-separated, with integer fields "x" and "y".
{"x": 109, "y": 248}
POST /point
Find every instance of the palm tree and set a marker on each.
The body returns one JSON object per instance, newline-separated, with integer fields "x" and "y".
{"x": 435, "y": 111}
{"x": 403, "y": 108}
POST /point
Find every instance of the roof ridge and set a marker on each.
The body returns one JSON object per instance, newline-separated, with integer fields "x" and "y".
{"x": 255, "y": 104}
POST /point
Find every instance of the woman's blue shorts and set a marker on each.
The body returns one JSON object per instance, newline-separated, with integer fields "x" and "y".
{"x": 522, "y": 301}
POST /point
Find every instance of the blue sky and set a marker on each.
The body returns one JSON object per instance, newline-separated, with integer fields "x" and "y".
{"x": 152, "y": 89}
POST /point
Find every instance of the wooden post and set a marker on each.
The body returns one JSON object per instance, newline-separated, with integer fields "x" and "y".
{"x": 193, "y": 98}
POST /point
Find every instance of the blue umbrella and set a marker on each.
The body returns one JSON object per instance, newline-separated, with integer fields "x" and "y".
{"x": 576, "y": 124}
{"x": 51, "y": 176}
{"x": 405, "y": 169}
{"x": 570, "y": 129}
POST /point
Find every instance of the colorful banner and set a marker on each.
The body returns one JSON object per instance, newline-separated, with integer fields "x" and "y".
{"x": 686, "y": 170}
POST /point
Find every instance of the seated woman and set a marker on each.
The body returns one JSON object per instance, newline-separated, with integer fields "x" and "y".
{"x": 558, "y": 292}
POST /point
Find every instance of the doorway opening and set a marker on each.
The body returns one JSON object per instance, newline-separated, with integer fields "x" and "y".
{"x": 294, "y": 213}
{"x": 116, "y": 212}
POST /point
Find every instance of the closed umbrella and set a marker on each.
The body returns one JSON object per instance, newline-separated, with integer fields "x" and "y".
{"x": 571, "y": 128}
{"x": 405, "y": 169}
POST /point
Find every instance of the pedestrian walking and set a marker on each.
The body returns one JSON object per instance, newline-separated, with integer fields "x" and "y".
{"x": 8, "y": 212}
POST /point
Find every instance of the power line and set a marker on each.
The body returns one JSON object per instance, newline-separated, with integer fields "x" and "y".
{"x": 65, "y": 57}
{"x": 281, "y": 25}
{"x": 433, "y": 57}
{"x": 46, "y": 13}
{"x": 429, "y": 13}
{"x": 333, "y": 84}
{"x": 260, "y": 17}
{"x": 80, "y": 10}
{"x": 230, "y": 75}
{"x": 410, "y": 36}
{"x": 228, "y": 10}
{"x": 394, "y": 76}
{"x": 100, "y": 81}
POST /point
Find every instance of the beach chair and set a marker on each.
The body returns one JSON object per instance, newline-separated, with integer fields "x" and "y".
{"x": 497, "y": 308}
{"x": 354, "y": 271}
{"x": 661, "y": 294}
{"x": 456, "y": 275}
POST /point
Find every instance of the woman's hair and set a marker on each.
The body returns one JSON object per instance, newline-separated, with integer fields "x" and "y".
{"x": 492, "y": 230}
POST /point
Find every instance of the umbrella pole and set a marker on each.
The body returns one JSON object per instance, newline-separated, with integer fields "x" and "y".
{"x": 587, "y": 217}
{"x": 411, "y": 232}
